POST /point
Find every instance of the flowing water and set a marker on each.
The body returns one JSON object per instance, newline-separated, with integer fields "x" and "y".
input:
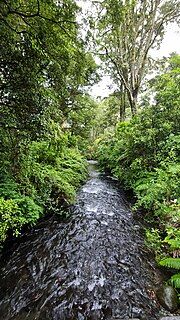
{"x": 91, "y": 267}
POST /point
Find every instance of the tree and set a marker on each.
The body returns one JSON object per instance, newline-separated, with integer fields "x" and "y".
{"x": 127, "y": 31}
{"x": 43, "y": 66}
{"x": 81, "y": 120}
{"x": 109, "y": 113}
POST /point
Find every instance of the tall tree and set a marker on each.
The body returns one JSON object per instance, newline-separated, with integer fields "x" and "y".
{"x": 127, "y": 31}
{"x": 43, "y": 65}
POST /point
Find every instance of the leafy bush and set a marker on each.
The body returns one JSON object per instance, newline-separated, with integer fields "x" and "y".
{"x": 50, "y": 174}
{"x": 153, "y": 240}
{"x": 158, "y": 189}
{"x": 10, "y": 217}
{"x": 54, "y": 172}
{"x": 144, "y": 154}
{"x": 14, "y": 213}
{"x": 173, "y": 240}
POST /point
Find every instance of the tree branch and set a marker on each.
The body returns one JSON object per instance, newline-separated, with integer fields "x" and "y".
{"x": 12, "y": 29}
{"x": 117, "y": 69}
{"x": 26, "y": 15}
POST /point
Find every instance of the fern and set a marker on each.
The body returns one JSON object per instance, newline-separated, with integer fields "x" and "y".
{"x": 171, "y": 263}
{"x": 175, "y": 280}
{"x": 175, "y": 264}
{"x": 174, "y": 243}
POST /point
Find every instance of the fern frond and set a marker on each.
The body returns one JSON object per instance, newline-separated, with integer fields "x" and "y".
{"x": 174, "y": 244}
{"x": 175, "y": 280}
{"x": 171, "y": 263}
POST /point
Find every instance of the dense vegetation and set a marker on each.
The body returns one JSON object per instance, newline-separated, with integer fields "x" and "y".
{"x": 126, "y": 31}
{"x": 44, "y": 111}
{"x": 48, "y": 121}
{"x": 144, "y": 154}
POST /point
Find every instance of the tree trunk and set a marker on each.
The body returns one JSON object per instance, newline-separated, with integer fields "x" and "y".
{"x": 133, "y": 104}
{"x": 132, "y": 97}
{"x": 122, "y": 108}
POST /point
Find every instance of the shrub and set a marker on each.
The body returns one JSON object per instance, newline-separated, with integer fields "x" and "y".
{"x": 49, "y": 176}
{"x": 15, "y": 213}
{"x": 54, "y": 173}
{"x": 144, "y": 154}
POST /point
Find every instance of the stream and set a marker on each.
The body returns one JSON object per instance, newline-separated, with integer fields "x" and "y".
{"x": 93, "y": 266}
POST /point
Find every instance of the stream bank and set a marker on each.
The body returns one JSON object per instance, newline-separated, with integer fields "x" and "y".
{"x": 94, "y": 266}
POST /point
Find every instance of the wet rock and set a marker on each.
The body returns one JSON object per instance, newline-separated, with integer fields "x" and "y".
{"x": 168, "y": 298}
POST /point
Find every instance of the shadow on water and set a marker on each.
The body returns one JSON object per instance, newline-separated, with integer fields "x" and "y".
{"x": 91, "y": 267}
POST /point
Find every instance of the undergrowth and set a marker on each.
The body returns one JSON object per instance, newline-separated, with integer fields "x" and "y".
{"x": 144, "y": 154}
{"x": 48, "y": 177}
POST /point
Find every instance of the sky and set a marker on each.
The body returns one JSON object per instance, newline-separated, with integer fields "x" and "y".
{"x": 170, "y": 43}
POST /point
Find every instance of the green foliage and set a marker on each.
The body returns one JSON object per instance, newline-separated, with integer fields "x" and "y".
{"x": 144, "y": 154}
{"x": 127, "y": 61}
{"x": 44, "y": 113}
{"x": 175, "y": 280}
{"x": 171, "y": 263}
{"x": 145, "y": 150}
{"x": 173, "y": 238}
{"x": 9, "y": 213}
{"x": 158, "y": 190}
{"x": 81, "y": 119}
{"x": 15, "y": 213}
{"x": 56, "y": 173}
{"x": 50, "y": 174}
{"x": 153, "y": 240}
{"x": 44, "y": 67}
{"x": 175, "y": 264}
{"x": 108, "y": 113}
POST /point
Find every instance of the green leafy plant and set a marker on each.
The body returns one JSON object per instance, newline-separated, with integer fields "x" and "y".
{"x": 144, "y": 154}
{"x": 171, "y": 263}
{"x": 153, "y": 240}
{"x": 175, "y": 264}
{"x": 50, "y": 174}
{"x": 15, "y": 213}
{"x": 173, "y": 240}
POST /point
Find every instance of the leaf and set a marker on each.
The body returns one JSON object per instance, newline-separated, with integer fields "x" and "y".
{"x": 170, "y": 263}
{"x": 175, "y": 280}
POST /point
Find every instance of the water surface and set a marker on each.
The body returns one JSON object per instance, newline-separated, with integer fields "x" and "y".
{"x": 91, "y": 267}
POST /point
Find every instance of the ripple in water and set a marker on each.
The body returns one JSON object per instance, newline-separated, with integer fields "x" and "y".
{"x": 91, "y": 267}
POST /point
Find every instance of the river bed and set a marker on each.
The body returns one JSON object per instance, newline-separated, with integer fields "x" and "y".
{"x": 93, "y": 266}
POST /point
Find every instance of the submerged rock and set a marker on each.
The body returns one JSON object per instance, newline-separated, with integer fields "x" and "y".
{"x": 168, "y": 298}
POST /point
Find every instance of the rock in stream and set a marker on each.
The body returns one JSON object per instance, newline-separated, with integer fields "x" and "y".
{"x": 167, "y": 296}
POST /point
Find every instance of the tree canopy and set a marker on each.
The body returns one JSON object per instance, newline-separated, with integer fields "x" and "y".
{"x": 44, "y": 68}
{"x": 50, "y": 125}
{"x": 127, "y": 30}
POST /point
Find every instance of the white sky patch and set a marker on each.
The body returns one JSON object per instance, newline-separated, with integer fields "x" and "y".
{"x": 103, "y": 88}
{"x": 170, "y": 43}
